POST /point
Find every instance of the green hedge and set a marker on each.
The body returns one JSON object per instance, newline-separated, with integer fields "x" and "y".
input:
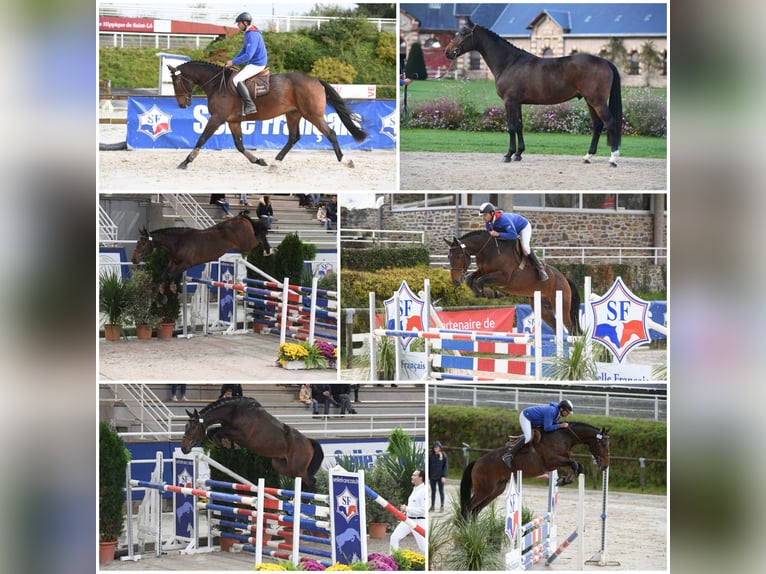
{"x": 373, "y": 258}
{"x": 488, "y": 428}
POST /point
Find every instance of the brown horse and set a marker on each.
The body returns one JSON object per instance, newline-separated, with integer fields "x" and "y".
{"x": 294, "y": 94}
{"x": 244, "y": 421}
{"x": 188, "y": 247}
{"x": 502, "y": 263}
{"x": 523, "y": 78}
{"x": 486, "y": 478}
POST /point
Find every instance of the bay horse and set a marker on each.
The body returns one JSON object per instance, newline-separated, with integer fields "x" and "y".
{"x": 486, "y": 478}
{"x": 246, "y": 422}
{"x": 523, "y": 78}
{"x": 294, "y": 94}
{"x": 502, "y": 264}
{"x": 188, "y": 247}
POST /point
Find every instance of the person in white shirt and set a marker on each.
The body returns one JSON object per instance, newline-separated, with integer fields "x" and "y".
{"x": 415, "y": 509}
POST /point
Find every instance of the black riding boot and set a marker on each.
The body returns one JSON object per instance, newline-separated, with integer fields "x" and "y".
{"x": 537, "y": 263}
{"x": 508, "y": 456}
{"x": 249, "y": 106}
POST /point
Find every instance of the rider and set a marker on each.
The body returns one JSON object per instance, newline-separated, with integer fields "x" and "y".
{"x": 253, "y": 55}
{"x": 545, "y": 416}
{"x": 510, "y": 226}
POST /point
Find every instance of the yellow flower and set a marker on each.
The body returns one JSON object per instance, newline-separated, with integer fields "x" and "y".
{"x": 338, "y": 566}
{"x": 270, "y": 567}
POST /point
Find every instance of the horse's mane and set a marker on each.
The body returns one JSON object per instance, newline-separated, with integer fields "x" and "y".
{"x": 171, "y": 230}
{"x": 497, "y": 37}
{"x": 226, "y": 401}
{"x": 472, "y": 234}
{"x": 576, "y": 424}
{"x": 213, "y": 65}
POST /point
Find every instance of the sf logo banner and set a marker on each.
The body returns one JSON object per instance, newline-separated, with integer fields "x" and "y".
{"x": 619, "y": 319}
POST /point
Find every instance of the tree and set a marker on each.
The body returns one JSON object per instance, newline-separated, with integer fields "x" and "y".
{"x": 415, "y": 68}
{"x": 650, "y": 61}
{"x": 615, "y": 51}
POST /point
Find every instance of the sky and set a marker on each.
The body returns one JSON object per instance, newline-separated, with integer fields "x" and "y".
{"x": 215, "y": 12}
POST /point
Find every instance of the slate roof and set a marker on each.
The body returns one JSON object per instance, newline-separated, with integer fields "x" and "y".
{"x": 576, "y": 19}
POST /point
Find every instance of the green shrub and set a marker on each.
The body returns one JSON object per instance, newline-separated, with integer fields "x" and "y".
{"x": 333, "y": 71}
{"x": 373, "y": 258}
{"x": 288, "y": 262}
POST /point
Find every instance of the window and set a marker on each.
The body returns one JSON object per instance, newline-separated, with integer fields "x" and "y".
{"x": 402, "y": 201}
{"x": 475, "y": 60}
{"x": 634, "y": 63}
{"x": 547, "y": 53}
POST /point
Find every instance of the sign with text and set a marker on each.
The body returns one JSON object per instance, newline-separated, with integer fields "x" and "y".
{"x": 619, "y": 320}
{"x": 411, "y": 313}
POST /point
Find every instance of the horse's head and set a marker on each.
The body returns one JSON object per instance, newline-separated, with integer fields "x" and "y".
{"x": 194, "y": 433}
{"x": 182, "y": 86}
{"x": 144, "y": 246}
{"x": 599, "y": 447}
{"x": 462, "y": 42}
{"x": 459, "y": 260}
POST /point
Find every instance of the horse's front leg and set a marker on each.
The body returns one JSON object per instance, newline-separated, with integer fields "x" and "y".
{"x": 513, "y": 113}
{"x": 212, "y": 125}
{"x": 236, "y": 134}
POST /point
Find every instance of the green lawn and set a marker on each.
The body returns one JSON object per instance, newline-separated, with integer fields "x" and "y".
{"x": 536, "y": 143}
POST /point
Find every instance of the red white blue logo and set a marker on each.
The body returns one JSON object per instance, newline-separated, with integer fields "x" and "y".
{"x": 154, "y": 122}
{"x": 620, "y": 320}
{"x": 410, "y": 313}
{"x": 347, "y": 505}
{"x": 389, "y": 125}
{"x": 513, "y": 510}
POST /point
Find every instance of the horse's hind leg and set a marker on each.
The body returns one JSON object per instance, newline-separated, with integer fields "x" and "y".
{"x": 330, "y": 134}
{"x": 513, "y": 113}
{"x": 236, "y": 134}
{"x": 293, "y": 119}
{"x": 598, "y": 127}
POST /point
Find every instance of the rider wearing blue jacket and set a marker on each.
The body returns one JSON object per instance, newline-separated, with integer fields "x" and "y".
{"x": 253, "y": 55}
{"x": 511, "y": 226}
{"x": 545, "y": 416}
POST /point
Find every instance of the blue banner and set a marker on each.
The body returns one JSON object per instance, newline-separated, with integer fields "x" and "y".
{"x": 158, "y": 123}
{"x": 348, "y": 529}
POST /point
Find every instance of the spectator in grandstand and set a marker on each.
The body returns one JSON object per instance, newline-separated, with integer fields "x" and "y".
{"x": 332, "y": 213}
{"x": 219, "y": 199}
{"x": 175, "y": 389}
{"x": 230, "y": 390}
{"x": 342, "y": 394}
{"x": 265, "y": 211}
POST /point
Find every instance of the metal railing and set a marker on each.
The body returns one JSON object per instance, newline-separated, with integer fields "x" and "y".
{"x": 189, "y": 210}
{"x": 107, "y": 229}
{"x": 151, "y": 414}
{"x": 611, "y": 403}
{"x": 382, "y": 236}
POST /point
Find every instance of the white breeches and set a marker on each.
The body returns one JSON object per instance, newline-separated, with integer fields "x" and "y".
{"x": 526, "y": 427}
{"x": 403, "y": 530}
{"x": 247, "y": 72}
{"x": 525, "y": 236}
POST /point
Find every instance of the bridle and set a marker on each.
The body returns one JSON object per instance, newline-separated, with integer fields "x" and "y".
{"x": 599, "y": 438}
{"x": 187, "y": 94}
{"x": 463, "y": 38}
{"x": 466, "y": 256}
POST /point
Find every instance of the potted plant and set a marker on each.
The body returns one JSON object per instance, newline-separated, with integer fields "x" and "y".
{"x": 378, "y": 518}
{"x": 301, "y": 356}
{"x": 112, "y": 300}
{"x": 140, "y": 302}
{"x": 112, "y": 461}
{"x": 166, "y": 298}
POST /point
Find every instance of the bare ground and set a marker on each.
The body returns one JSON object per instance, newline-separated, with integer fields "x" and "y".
{"x": 482, "y": 171}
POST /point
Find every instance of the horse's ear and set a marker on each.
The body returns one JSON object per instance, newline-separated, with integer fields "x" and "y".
{"x": 469, "y": 23}
{"x": 447, "y": 242}
{"x": 171, "y": 68}
{"x": 143, "y": 230}
{"x": 191, "y": 416}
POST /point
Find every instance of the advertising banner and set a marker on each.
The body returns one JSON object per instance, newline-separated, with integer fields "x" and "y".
{"x": 158, "y": 123}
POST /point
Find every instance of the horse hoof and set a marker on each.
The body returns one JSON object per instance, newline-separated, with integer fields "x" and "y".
{"x": 506, "y": 158}
{"x": 261, "y": 161}
{"x": 273, "y": 167}
{"x": 181, "y": 166}
{"x": 350, "y": 163}
{"x": 586, "y": 161}
{"x": 612, "y": 164}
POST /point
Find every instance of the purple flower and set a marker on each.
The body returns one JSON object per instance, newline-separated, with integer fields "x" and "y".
{"x": 381, "y": 562}
{"x": 312, "y": 565}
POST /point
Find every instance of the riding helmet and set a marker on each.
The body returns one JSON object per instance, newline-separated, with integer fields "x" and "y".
{"x": 244, "y": 17}
{"x": 566, "y": 404}
{"x": 486, "y": 208}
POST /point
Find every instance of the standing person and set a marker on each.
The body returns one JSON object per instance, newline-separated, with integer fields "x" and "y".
{"x": 219, "y": 199}
{"x": 265, "y": 211}
{"x": 230, "y": 390}
{"x": 243, "y": 199}
{"x": 545, "y": 416}
{"x": 511, "y": 226}
{"x": 174, "y": 393}
{"x": 253, "y": 55}
{"x": 402, "y": 53}
{"x": 415, "y": 509}
{"x": 332, "y": 213}
{"x": 437, "y": 472}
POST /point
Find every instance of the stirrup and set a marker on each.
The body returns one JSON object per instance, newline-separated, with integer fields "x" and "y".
{"x": 508, "y": 459}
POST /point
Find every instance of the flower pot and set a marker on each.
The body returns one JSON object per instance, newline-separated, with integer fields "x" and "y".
{"x": 377, "y": 530}
{"x": 294, "y": 365}
{"x": 144, "y": 332}
{"x": 165, "y": 330}
{"x": 106, "y": 551}
{"x": 112, "y": 332}
{"x": 227, "y": 543}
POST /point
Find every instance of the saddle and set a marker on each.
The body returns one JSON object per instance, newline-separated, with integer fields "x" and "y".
{"x": 258, "y": 85}
{"x": 536, "y": 438}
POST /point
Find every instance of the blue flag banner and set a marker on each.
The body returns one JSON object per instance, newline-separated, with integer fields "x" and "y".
{"x": 158, "y": 123}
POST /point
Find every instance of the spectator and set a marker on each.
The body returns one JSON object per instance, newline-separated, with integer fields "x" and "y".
{"x": 304, "y": 396}
{"x": 342, "y": 394}
{"x": 437, "y": 472}
{"x": 219, "y": 199}
{"x": 322, "y": 393}
{"x": 332, "y": 213}
{"x": 415, "y": 509}
{"x": 243, "y": 199}
{"x": 304, "y": 200}
{"x": 264, "y": 210}
{"x": 314, "y": 199}
{"x": 355, "y": 386}
{"x": 230, "y": 390}
{"x": 322, "y": 213}
{"x": 174, "y": 393}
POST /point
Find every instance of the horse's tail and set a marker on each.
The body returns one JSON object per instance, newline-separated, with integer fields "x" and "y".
{"x": 615, "y": 104}
{"x": 316, "y": 459}
{"x": 465, "y": 490}
{"x": 574, "y": 308}
{"x": 348, "y": 119}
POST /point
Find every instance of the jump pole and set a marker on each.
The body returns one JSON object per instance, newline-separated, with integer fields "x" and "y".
{"x": 578, "y": 532}
{"x": 599, "y": 558}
